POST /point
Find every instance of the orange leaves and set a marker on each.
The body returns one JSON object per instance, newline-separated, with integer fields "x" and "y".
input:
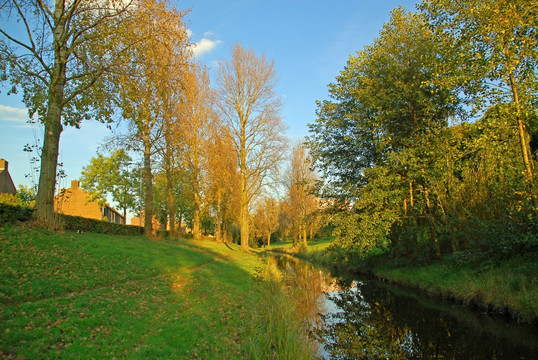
{"x": 179, "y": 284}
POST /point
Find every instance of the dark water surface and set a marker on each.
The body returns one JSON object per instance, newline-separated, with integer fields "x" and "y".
{"x": 358, "y": 318}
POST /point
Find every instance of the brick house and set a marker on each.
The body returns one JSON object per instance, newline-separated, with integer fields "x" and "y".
{"x": 77, "y": 202}
{"x": 6, "y": 182}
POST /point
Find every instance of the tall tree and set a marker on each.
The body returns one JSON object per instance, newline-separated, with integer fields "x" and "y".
{"x": 387, "y": 107}
{"x": 494, "y": 46}
{"x": 193, "y": 135}
{"x": 145, "y": 79}
{"x": 250, "y": 108}
{"x": 59, "y": 55}
{"x": 223, "y": 178}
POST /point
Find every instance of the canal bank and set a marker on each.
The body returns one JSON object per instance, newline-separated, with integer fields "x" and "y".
{"x": 488, "y": 284}
{"x": 360, "y": 317}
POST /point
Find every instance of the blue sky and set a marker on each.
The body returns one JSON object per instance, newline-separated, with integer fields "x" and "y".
{"x": 310, "y": 42}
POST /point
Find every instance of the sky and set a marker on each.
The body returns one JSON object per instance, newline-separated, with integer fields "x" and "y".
{"x": 309, "y": 41}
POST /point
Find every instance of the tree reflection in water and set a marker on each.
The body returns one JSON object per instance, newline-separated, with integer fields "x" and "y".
{"x": 371, "y": 320}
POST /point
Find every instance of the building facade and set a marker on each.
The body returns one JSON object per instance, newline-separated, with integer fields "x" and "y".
{"x": 77, "y": 202}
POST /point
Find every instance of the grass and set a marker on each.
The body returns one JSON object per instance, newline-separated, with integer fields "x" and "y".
{"x": 502, "y": 285}
{"x": 96, "y": 296}
{"x": 316, "y": 251}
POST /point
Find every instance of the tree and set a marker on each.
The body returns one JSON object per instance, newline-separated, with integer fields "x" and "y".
{"x": 265, "y": 219}
{"x": 250, "y": 108}
{"x": 59, "y": 56}
{"x": 302, "y": 202}
{"x": 223, "y": 180}
{"x": 376, "y": 139}
{"x": 143, "y": 83}
{"x": 110, "y": 175}
{"x": 193, "y": 133}
{"x": 497, "y": 60}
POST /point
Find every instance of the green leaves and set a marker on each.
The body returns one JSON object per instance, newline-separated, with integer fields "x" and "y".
{"x": 110, "y": 176}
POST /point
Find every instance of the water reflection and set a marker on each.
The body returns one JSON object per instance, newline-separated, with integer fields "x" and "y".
{"x": 370, "y": 320}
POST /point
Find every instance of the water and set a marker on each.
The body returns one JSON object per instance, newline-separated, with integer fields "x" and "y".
{"x": 358, "y": 318}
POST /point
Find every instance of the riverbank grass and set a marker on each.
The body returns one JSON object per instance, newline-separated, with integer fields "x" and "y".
{"x": 493, "y": 283}
{"x": 97, "y": 296}
{"x": 500, "y": 285}
{"x": 316, "y": 251}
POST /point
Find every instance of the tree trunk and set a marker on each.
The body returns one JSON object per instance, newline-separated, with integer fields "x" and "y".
{"x": 171, "y": 209}
{"x": 521, "y": 128}
{"x": 53, "y": 124}
{"x": 244, "y": 223}
{"x": 268, "y": 239}
{"x": 148, "y": 182}
{"x": 51, "y": 143}
{"x": 196, "y": 223}
{"x": 244, "y": 218}
{"x": 219, "y": 218}
{"x": 49, "y": 162}
{"x": 411, "y": 196}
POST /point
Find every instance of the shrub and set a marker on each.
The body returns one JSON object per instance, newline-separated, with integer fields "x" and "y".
{"x": 11, "y": 213}
{"x": 80, "y": 224}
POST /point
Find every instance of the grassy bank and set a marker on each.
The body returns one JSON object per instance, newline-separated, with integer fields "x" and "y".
{"x": 96, "y": 296}
{"x": 315, "y": 252}
{"x": 495, "y": 284}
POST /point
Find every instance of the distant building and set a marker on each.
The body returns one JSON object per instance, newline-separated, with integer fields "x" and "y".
{"x": 77, "y": 202}
{"x": 6, "y": 183}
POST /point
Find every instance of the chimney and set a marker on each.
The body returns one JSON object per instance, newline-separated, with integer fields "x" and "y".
{"x": 3, "y": 165}
{"x": 75, "y": 184}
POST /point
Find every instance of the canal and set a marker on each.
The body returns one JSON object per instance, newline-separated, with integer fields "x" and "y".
{"x": 351, "y": 317}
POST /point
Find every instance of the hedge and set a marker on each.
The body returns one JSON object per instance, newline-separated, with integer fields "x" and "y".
{"x": 12, "y": 213}
{"x": 80, "y": 224}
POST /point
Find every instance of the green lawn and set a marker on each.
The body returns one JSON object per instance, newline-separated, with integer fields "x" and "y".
{"x": 97, "y": 296}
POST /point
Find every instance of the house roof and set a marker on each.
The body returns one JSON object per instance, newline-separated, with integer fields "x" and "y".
{"x": 6, "y": 182}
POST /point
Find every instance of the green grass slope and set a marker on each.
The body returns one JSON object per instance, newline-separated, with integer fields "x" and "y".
{"x": 97, "y": 296}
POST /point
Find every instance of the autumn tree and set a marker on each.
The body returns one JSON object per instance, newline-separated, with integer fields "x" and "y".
{"x": 59, "y": 55}
{"x": 192, "y": 135}
{"x": 144, "y": 81}
{"x": 109, "y": 175}
{"x": 265, "y": 218}
{"x": 223, "y": 180}
{"x": 250, "y": 108}
{"x": 301, "y": 201}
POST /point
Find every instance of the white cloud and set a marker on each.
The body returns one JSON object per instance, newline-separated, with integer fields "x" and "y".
{"x": 12, "y": 114}
{"x": 204, "y": 46}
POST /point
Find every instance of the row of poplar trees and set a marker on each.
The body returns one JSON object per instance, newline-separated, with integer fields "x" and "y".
{"x": 430, "y": 133}
{"x": 132, "y": 61}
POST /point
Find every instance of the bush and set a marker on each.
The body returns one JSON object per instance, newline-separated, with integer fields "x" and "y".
{"x": 11, "y": 213}
{"x": 80, "y": 224}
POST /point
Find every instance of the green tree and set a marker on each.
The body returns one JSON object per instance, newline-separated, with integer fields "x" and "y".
{"x": 143, "y": 84}
{"x": 493, "y": 44}
{"x": 374, "y": 140}
{"x": 59, "y": 55}
{"x": 110, "y": 176}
